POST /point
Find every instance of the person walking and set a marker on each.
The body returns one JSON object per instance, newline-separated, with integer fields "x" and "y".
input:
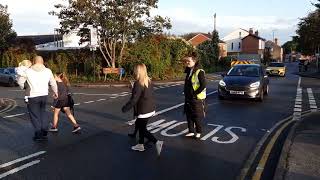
{"x": 38, "y": 78}
{"x": 195, "y": 95}
{"x": 143, "y": 99}
{"x": 63, "y": 103}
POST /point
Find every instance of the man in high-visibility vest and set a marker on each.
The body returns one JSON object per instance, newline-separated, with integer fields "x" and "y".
{"x": 195, "y": 95}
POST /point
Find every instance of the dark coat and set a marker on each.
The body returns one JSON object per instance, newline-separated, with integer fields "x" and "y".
{"x": 142, "y": 100}
{"x": 194, "y": 107}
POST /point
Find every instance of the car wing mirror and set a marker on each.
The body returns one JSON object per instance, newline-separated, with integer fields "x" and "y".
{"x": 223, "y": 74}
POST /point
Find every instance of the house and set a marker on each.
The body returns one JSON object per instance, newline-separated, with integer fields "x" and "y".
{"x": 200, "y": 38}
{"x": 234, "y": 41}
{"x": 275, "y": 49}
{"x": 253, "y": 44}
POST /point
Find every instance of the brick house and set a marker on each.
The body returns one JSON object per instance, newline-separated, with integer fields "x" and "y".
{"x": 253, "y": 44}
{"x": 200, "y": 38}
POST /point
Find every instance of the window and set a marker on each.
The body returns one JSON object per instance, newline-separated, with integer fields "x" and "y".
{"x": 239, "y": 34}
{"x": 231, "y": 46}
{"x": 239, "y": 45}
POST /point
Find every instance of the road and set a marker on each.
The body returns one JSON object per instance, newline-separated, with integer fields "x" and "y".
{"x": 232, "y": 130}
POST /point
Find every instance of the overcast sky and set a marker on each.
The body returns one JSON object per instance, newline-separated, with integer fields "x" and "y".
{"x": 267, "y": 16}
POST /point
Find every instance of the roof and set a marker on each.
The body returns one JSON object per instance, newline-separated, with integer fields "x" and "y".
{"x": 255, "y": 36}
{"x": 205, "y": 37}
{"x": 272, "y": 44}
{"x": 41, "y": 39}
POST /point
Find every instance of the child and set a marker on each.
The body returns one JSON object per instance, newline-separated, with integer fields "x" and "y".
{"x": 63, "y": 103}
{"x": 21, "y": 72}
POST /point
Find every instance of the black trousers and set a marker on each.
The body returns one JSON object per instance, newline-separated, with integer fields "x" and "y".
{"x": 37, "y": 112}
{"x": 141, "y": 124}
{"x": 194, "y": 124}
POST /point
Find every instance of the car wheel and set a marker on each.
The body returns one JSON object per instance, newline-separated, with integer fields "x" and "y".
{"x": 220, "y": 97}
{"x": 11, "y": 82}
{"x": 260, "y": 99}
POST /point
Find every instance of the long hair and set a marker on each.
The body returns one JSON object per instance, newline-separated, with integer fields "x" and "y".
{"x": 141, "y": 74}
{"x": 64, "y": 78}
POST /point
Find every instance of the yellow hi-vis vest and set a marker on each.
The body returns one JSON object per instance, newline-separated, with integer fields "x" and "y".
{"x": 196, "y": 84}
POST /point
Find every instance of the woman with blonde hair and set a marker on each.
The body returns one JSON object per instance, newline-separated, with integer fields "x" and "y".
{"x": 63, "y": 103}
{"x": 142, "y": 99}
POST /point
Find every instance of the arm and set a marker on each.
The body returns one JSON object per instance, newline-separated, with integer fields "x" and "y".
{"x": 136, "y": 93}
{"x": 21, "y": 81}
{"x": 202, "y": 81}
{"x": 53, "y": 85}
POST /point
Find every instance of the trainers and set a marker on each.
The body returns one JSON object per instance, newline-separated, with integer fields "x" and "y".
{"x": 198, "y": 135}
{"x": 76, "y": 129}
{"x": 138, "y": 147}
{"x": 189, "y": 134}
{"x": 159, "y": 145}
{"x": 53, "y": 129}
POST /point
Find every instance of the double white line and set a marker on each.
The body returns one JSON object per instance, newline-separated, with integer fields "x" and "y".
{"x": 298, "y": 103}
{"x": 312, "y": 101}
{"x": 15, "y": 170}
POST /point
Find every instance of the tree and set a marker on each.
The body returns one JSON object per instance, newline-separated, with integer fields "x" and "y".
{"x": 209, "y": 52}
{"x": 215, "y": 46}
{"x": 267, "y": 58}
{"x": 290, "y": 46}
{"x": 117, "y": 21}
{"x": 7, "y": 35}
{"x": 308, "y": 31}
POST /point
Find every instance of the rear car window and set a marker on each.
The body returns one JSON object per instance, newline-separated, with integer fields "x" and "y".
{"x": 276, "y": 65}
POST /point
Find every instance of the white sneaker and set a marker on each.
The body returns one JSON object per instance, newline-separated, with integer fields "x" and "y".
{"x": 138, "y": 147}
{"x": 159, "y": 145}
{"x": 198, "y": 135}
{"x": 189, "y": 134}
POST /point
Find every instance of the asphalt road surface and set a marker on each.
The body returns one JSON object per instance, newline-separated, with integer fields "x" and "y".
{"x": 232, "y": 130}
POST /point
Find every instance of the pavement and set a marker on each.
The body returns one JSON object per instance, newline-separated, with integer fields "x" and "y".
{"x": 300, "y": 156}
{"x": 312, "y": 71}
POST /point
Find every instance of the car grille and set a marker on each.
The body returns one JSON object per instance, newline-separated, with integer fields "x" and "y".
{"x": 236, "y": 88}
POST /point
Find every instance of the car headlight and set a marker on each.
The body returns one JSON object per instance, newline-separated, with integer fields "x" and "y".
{"x": 268, "y": 69}
{"x": 255, "y": 85}
{"x": 222, "y": 83}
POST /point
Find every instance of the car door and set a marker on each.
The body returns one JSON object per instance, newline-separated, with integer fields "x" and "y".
{"x": 1, "y": 75}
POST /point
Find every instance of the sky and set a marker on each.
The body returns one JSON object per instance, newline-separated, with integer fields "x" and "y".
{"x": 278, "y": 17}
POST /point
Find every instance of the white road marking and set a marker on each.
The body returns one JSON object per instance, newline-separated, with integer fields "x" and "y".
{"x": 15, "y": 115}
{"x": 15, "y": 170}
{"x": 312, "y": 101}
{"x": 88, "y": 102}
{"x": 78, "y": 104}
{"x": 114, "y": 97}
{"x": 21, "y": 159}
{"x": 298, "y": 103}
{"x": 16, "y": 90}
{"x": 101, "y": 100}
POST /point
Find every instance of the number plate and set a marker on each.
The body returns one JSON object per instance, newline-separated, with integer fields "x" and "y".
{"x": 237, "y": 92}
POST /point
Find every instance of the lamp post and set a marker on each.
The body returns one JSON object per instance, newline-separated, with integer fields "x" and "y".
{"x": 93, "y": 47}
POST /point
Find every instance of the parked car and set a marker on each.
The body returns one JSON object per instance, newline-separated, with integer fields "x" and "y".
{"x": 8, "y": 76}
{"x": 244, "y": 81}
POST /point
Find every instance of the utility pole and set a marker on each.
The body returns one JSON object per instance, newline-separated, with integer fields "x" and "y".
{"x": 215, "y": 21}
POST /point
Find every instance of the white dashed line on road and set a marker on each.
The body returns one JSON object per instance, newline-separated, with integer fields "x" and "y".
{"x": 88, "y": 102}
{"x": 15, "y": 170}
{"x": 21, "y": 159}
{"x": 312, "y": 101}
{"x": 101, "y": 100}
{"x": 15, "y": 115}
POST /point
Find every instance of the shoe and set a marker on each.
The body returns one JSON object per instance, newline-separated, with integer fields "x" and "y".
{"x": 198, "y": 135}
{"x": 138, "y": 147}
{"x": 44, "y": 133}
{"x": 159, "y": 145}
{"x": 53, "y": 129}
{"x": 189, "y": 134}
{"x": 76, "y": 129}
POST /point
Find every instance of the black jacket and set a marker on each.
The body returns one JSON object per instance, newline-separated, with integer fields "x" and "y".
{"x": 142, "y": 99}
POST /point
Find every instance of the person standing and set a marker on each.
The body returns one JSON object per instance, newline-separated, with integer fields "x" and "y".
{"x": 38, "y": 78}
{"x": 63, "y": 103}
{"x": 142, "y": 99}
{"x": 195, "y": 95}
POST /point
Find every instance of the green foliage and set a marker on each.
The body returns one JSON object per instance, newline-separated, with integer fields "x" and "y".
{"x": 267, "y": 58}
{"x": 162, "y": 56}
{"x": 308, "y": 32}
{"x": 290, "y": 46}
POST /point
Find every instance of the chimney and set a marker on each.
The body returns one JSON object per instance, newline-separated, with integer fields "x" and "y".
{"x": 276, "y": 41}
{"x": 256, "y": 33}
{"x": 251, "y": 31}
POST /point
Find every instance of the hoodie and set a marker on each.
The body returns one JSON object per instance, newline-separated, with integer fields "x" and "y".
{"x": 38, "y": 77}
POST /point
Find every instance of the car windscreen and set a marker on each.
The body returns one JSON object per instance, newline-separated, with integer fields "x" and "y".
{"x": 250, "y": 71}
{"x": 276, "y": 65}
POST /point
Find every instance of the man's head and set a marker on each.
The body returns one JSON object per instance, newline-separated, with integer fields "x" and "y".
{"x": 38, "y": 60}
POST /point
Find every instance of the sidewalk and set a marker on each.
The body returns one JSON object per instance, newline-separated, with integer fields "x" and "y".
{"x": 312, "y": 72}
{"x": 300, "y": 157}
